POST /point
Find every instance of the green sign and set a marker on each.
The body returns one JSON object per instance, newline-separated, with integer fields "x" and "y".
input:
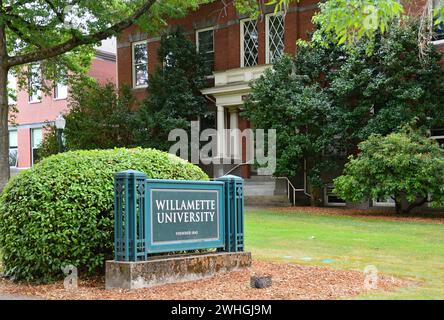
{"x": 156, "y": 215}
{"x": 184, "y": 215}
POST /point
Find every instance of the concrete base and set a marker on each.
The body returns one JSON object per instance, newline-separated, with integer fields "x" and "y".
{"x": 171, "y": 269}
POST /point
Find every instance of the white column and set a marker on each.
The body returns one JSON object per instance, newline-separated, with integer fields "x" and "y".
{"x": 234, "y": 133}
{"x": 220, "y": 132}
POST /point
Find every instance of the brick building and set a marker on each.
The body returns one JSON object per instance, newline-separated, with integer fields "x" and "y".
{"x": 37, "y": 110}
{"x": 240, "y": 49}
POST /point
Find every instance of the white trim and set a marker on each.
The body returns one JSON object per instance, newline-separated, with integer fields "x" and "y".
{"x": 54, "y": 91}
{"x": 210, "y": 76}
{"x": 332, "y": 204}
{"x": 438, "y": 42}
{"x": 133, "y": 66}
{"x": 32, "y": 142}
{"x": 376, "y": 203}
{"x": 267, "y": 34}
{"x": 242, "y": 57}
{"x": 38, "y": 94}
{"x": 197, "y": 37}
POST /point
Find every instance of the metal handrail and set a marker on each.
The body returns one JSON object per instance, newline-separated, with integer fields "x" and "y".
{"x": 294, "y": 189}
{"x": 235, "y": 167}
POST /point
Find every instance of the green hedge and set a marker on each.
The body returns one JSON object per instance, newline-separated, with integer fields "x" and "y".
{"x": 60, "y": 212}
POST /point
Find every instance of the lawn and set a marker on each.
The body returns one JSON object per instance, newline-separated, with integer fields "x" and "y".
{"x": 410, "y": 250}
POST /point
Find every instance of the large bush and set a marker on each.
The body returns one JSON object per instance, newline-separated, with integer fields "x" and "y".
{"x": 405, "y": 166}
{"x": 60, "y": 212}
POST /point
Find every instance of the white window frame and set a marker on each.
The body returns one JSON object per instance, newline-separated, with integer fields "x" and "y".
{"x": 332, "y": 204}
{"x": 15, "y": 148}
{"x": 241, "y": 24}
{"x": 32, "y": 143}
{"x": 441, "y": 41}
{"x": 197, "y": 36}
{"x": 376, "y": 203}
{"x": 133, "y": 65}
{"x": 31, "y": 96}
{"x": 12, "y": 89}
{"x": 197, "y": 42}
{"x": 56, "y": 95}
{"x": 267, "y": 34}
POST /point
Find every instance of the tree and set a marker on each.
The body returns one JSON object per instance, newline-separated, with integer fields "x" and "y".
{"x": 59, "y": 33}
{"x": 405, "y": 166}
{"x": 99, "y": 117}
{"x": 174, "y": 95}
{"x": 325, "y": 100}
{"x": 348, "y": 21}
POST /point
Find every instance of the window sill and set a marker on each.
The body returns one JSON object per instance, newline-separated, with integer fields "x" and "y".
{"x": 34, "y": 102}
{"x": 335, "y": 204}
{"x": 140, "y": 87}
{"x": 58, "y": 99}
{"x": 439, "y": 43}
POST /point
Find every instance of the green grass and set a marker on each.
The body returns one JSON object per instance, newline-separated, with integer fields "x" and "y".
{"x": 410, "y": 250}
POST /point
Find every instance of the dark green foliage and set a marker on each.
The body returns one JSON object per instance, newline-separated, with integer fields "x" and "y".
{"x": 324, "y": 101}
{"x": 405, "y": 166}
{"x": 100, "y": 117}
{"x": 174, "y": 92}
{"x": 60, "y": 211}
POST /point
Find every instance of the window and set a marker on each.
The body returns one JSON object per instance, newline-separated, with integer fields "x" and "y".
{"x": 384, "y": 202}
{"x": 274, "y": 30}
{"x": 60, "y": 91}
{"x": 34, "y": 83}
{"x": 331, "y": 199}
{"x": 36, "y": 141}
{"x": 140, "y": 64}
{"x": 12, "y": 89}
{"x": 61, "y": 88}
{"x": 438, "y": 29}
{"x": 249, "y": 43}
{"x": 438, "y": 135}
{"x": 13, "y": 148}
{"x": 205, "y": 46}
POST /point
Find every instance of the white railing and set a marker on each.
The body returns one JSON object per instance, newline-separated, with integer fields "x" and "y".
{"x": 291, "y": 190}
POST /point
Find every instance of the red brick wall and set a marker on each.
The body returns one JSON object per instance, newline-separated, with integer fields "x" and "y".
{"x": 226, "y": 37}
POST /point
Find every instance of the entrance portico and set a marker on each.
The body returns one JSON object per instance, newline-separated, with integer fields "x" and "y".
{"x": 230, "y": 89}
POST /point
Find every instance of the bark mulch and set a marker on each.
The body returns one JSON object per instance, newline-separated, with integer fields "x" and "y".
{"x": 289, "y": 282}
{"x": 429, "y": 217}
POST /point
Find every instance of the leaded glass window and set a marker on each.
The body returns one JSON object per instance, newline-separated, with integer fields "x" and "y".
{"x": 275, "y": 37}
{"x": 250, "y": 43}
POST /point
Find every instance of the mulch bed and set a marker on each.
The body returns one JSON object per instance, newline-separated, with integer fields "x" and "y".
{"x": 429, "y": 217}
{"x": 289, "y": 282}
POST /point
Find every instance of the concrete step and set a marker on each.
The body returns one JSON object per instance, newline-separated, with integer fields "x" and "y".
{"x": 264, "y": 186}
{"x": 267, "y": 201}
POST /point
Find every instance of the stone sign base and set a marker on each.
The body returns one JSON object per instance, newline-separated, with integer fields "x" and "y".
{"x": 170, "y": 269}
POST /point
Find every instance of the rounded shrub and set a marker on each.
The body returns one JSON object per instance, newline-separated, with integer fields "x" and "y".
{"x": 60, "y": 212}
